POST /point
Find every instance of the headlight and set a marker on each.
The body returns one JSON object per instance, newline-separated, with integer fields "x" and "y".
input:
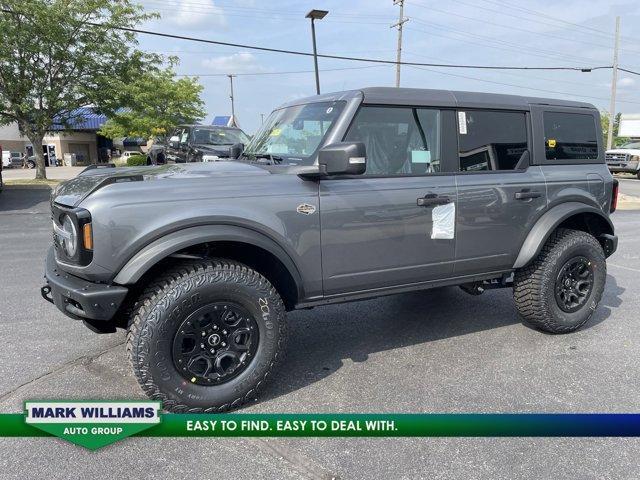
{"x": 635, "y": 158}
{"x": 70, "y": 237}
{"x": 210, "y": 158}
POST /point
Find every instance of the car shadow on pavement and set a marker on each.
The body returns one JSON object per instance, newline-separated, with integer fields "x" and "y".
{"x": 19, "y": 199}
{"x": 321, "y": 339}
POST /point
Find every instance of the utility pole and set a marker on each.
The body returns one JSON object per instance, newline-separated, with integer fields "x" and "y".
{"x": 233, "y": 109}
{"x": 614, "y": 82}
{"x": 401, "y": 22}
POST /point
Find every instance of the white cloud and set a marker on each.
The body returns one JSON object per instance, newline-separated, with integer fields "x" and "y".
{"x": 626, "y": 82}
{"x": 186, "y": 14}
{"x": 242, "y": 62}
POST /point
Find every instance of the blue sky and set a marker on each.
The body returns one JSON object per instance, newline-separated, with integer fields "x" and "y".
{"x": 493, "y": 32}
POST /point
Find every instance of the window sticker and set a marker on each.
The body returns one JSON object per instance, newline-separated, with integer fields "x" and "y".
{"x": 420, "y": 156}
{"x": 275, "y": 132}
{"x": 462, "y": 123}
{"x": 551, "y": 143}
{"x": 443, "y": 219}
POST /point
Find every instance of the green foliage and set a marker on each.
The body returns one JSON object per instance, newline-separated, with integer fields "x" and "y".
{"x": 59, "y": 55}
{"x": 604, "y": 121}
{"x": 136, "y": 160}
{"x": 155, "y": 102}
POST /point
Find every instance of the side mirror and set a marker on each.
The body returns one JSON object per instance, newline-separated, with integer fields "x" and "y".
{"x": 344, "y": 158}
{"x": 236, "y": 150}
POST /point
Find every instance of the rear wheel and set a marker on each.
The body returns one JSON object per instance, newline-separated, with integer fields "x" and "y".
{"x": 559, "y": 291}
{"x": 206, "y": 335}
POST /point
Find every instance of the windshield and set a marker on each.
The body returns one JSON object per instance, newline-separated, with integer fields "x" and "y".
{"x": 634, "y": 145}
{"x": 294, "y": 133}
{"x": 219, "y": 136}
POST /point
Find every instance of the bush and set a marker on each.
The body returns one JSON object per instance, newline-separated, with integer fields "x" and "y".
{"x": 136, "y": 160}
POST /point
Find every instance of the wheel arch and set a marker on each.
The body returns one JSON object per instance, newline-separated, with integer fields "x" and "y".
{"x": 244, "y": 245}
{"x": 574, "y": 215}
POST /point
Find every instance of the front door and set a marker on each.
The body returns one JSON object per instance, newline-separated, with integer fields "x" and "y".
{"x": 392, "y": 226}
{"x": 500, "y": 195}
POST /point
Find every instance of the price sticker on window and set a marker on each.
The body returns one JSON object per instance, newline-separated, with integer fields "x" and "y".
{"x": 551, "y": 143}
{"x": 462, "y": 123}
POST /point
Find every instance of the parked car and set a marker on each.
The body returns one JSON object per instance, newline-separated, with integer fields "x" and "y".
{"x": 625, "y": 159}
{"x": 11, "y": 159}
{"x": 1, "y": 167}
{"x": 197, "y": 143}
{"x": 338, "y": 197}
{"x": 128, "y": 154}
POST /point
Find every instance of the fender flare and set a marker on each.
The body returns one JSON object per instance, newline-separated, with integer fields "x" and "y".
{"x": 547, "y": 223}
{"x": 173, "y": 242}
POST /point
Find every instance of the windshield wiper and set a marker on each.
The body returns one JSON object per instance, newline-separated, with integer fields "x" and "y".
{"x": 274, "y": 159}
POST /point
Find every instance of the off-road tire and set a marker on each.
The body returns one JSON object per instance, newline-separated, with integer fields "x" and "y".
{"x": 169, "y": 299}
{"x": 534, "y": 285}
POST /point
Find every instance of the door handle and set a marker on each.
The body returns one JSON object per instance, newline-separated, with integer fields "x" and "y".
{"x": 525, "y": 195}
{"x": 432, "y": 199}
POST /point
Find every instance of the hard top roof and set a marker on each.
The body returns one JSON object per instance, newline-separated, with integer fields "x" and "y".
{"x": 439, "y": 98}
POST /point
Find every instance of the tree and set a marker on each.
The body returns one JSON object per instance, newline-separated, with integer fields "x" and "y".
{"x": 59, "y": 55}
{"x": 155, "y": 102}
{"x": 604, "y": 121}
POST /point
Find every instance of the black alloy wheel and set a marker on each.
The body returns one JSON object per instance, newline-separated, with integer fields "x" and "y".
{"x": 215, "y": 343}
{"x": 574, "y": 284}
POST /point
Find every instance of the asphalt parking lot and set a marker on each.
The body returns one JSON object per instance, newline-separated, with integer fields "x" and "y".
{"x": 434, "y": 351}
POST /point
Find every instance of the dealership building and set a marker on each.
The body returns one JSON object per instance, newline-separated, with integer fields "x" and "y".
{"x": 81, "y": 140}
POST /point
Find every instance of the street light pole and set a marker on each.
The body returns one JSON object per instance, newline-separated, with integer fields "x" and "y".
{"x": 614, "y": 81}
{"x": 316, "y": 15}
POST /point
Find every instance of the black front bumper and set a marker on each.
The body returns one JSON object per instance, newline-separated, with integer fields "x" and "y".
{"x": 94, "y": 303}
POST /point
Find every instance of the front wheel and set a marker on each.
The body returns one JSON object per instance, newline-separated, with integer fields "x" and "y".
{"x": 206, "y": 335}
{"x": 559, "y": 291}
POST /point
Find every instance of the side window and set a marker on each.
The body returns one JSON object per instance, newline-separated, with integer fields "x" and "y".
{"x": 177, "y": 133}
{"x": 570, "y": 136}
{"x": 491, "y": 140}
{"x": 399, "y": 140}
{"x": 184, "y": 135}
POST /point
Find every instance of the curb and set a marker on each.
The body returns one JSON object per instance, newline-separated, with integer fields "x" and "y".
{"x": 28, "y": 187}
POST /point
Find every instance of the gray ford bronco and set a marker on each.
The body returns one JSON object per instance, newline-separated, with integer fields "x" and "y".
{"x": 338, "y": 197}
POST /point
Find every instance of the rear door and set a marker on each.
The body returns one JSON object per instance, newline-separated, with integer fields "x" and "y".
{"x": 500, "y": 195}
{"x": 569, "y": 148}
{"x": 378, "y": 229}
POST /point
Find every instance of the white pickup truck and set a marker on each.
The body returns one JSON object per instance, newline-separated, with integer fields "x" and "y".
{"x": 625, "y": 159}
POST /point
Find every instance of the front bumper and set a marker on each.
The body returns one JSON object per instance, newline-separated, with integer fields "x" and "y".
{"x": 623, "y": 167}
{"x": 94, "y": 303}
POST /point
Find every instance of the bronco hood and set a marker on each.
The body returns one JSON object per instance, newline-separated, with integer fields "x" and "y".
{"x": 72, "y": 192}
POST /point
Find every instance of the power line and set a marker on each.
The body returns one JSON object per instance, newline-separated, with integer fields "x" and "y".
{"x": 504, "y": 44}
{"x": 334, "y": 57}
{"x": 290, "y": 72}
{"x": 508, "y": 27}
{"x": 550, "y": 17}
{"x": 555, "y": 92}
{"x": 628, "y": 71}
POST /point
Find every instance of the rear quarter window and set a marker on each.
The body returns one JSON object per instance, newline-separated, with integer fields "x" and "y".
{"x": 570, "y": 136}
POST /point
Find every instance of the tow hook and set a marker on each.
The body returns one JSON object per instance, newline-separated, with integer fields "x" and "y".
{"x": 476, "y": 288}
{"x": 46, "y": 293}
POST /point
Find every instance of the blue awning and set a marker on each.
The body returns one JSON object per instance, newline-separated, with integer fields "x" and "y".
{"x": 85, "y": 118}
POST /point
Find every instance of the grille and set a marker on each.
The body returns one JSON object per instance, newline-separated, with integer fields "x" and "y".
{"x": 616, "y": 157}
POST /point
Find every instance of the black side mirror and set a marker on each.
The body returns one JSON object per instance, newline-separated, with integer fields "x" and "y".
{"x": 344, "y": 158}
{"x": 236, "y": 150}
